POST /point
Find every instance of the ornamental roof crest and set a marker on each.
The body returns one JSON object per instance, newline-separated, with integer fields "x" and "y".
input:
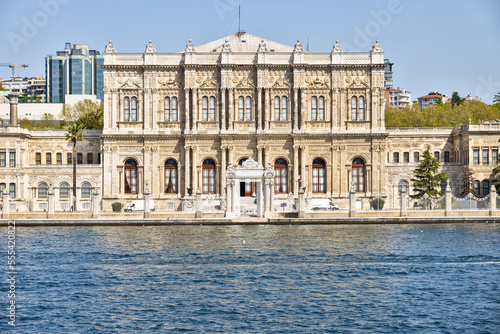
{"x": 150, "y": 48}
{"x": 110, "y": 48}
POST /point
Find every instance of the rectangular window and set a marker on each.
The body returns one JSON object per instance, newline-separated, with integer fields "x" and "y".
{"x": 99, "y": 158}
{"x": 48, "y": 158}
{"x": 395, "y": 157}
{"x": 477, "y": 189}
{"x": 476, "y": 156}
{"x": 436, "y": 155}
{"x": 494, "y": 156}
{"x": 38, "y": 158}
{"x": 2, "y": 188}
{"x": 416, "y": 156}
{"x": 406, "y": 157}
{"x": 3, "y": 161}
{"x": 90, "y": 158}
{"x": 446, "y": 156}
{"x": 12, "y": 190}
{"x": 12, "y": 160}
{"x": 486, "y": 157}
{"x": 59, "y": 158}
{"x": 69, "y": 159}
{"x": 79, "y": 158}
{"x": 486, "y": 187}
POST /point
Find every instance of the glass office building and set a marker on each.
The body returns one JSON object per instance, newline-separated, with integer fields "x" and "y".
{"x": 76, "y": 70}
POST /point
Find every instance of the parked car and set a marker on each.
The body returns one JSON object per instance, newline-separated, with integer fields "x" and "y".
{"x": 323, "y": 204}
{"x": 138, "y": 205}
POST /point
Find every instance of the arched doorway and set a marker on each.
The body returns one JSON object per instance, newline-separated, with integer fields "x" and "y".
{"x": 245, "y": 187}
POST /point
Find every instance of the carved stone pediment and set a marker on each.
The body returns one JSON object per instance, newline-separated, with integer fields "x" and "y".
{"x": 281, "y": 83}
{"x": 318, "y": 83}
{"x": 130, "y": 83}
{"x": 209, "y": 83}
{"x": 245, "y": 83}
{"x": 168, "y": 83}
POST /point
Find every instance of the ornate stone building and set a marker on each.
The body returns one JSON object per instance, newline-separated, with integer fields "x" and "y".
{"x": 177, "y": 121}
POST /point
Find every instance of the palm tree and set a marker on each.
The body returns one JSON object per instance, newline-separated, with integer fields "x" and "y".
{"x": 75, "y": 133}
{"x": 496, "y": 98}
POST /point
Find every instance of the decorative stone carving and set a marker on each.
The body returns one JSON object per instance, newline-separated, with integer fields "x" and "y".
{"x": 337, "y": 47}
{"x": 298, "y": 46}
{"x": 226, "y": 47}
{"x": 130, "y": 83}
{"x": 248, "y": 164}
{"x": 377, "y": 47}
{"x": 189, "y": 47}
{"x": 168, "y": 83}
{"x": 209, "y": 83}
{"x": 110, "y": 48}
{"x": 150, "y": 48}
{"x": 262, "y": 46}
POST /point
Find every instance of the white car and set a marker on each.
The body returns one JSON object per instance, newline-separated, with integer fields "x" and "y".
{"x": 323, "y": 204}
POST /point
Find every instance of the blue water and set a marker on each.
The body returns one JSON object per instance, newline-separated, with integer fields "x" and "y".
{"x": 257, "y": 279}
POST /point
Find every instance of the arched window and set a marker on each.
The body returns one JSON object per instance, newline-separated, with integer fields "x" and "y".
{"x": 126, "y": 109}
{"x": 130, "y": 177}
{"x": 319, "y": 176}
{"x": 167, "y": 109}
{"x": 395, "y": 157}
{"x": 174, "y": 109}
{"x": 171, "y": 176}
{"x": 133, "y": 110}
{"x": 321, "y": 109}
{"x": 446, "y": 156}
{"x": 361, "y": 113}
{"x": 85, "y": 190}
{"x": 64, "y": 190}
{"x": 403, "y": 185}
{"x": 354, "y": 108}
{"x": 477, "y": 189}
{"x": 486, "y": 187}
{"x": 205, "y": 108}
{"x": 12, "y": 190}
{"x": 314, "y": 108}
{"x": 211, "y": 116}
{"x": 208, "y": 175}
{"x": 248, "y": 109}
{"x": 42, "y": 190}
{"x": 276, "y": 108}
{"x": 358, "y": 174}
{"x": 281, "y": 176}
{"x": 284, "y": 108}
{"x": 241, "y": 108}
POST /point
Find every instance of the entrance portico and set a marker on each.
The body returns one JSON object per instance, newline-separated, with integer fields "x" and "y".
{"x": 250, "y": 171}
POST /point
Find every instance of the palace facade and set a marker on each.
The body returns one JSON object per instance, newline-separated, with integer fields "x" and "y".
{"x": 175, "y": 122}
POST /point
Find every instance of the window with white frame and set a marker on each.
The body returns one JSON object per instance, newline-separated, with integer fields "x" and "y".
{"x": 171, "y": 114}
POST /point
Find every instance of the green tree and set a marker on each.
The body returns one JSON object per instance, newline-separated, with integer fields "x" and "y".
{"x": 427, "y": 178}
{"x": 74, "y": 133}
{"x": 496, "y": 98}
{"x": 468, "y": 182}
{"x": 456, "y": 100}
{"x": 88, "y": 112}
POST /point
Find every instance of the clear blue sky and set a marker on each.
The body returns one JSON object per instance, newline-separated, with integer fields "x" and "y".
{"x": 435, "y": 45}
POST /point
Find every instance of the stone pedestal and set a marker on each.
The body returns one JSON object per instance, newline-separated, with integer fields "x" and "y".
{"x": 51, "y": 202}
{"x": 5, "y": 204}
{"x": 198, "y": 204}
{"x": 95, "y": 203}
{"x": 402, "y": 203}
{"x": 447, "y": 208}
{"x": 493, "y": 201}
{"x": 301, "y": 209}
{"x": 352, "y": 203}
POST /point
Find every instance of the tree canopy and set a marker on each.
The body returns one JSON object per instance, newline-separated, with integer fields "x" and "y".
{"x": 443, "y": 115}
{"x": 88, "y": 113}
{"x": 427, "y": 179}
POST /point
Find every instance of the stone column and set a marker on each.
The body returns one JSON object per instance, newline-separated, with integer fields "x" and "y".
{"x": 448, "y": 210}
{"x": 13, "y": 97}
{"x": 402, "y": 203}
{"x": 147, "y": 198}
{"x": 195, "y": 107}
{"x": 95, "y": 202}
{"x": 230, "y": 109}
{"x": 493, "y": 200}
{"x": 295, "y": 169}
{"x": 302, "y": 203}
{"x": 302, "y": 109}
{"x": 198, "y": 204}
{"x": 51, "y": 202}
{"x": 259, "y": 156}
{"x": 194, "y": 163}
{"x": 259, "y": 108}
{"x": 5, "y": 204}
{"x": 187, "y": 167}
{"x": 229, "y": 198}
{"x": 266, "y": 109}
{"x": 352, "y": 202}
{"x": 223, "y": 110}
{"x": 187, "y": 126}
{"x": 223, "y": 171}
{"x": 295, "y": 109}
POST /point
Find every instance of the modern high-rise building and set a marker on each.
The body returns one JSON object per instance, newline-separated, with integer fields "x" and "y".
{"x": 388, "y": 74}
{"x": 76, "y": 70}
